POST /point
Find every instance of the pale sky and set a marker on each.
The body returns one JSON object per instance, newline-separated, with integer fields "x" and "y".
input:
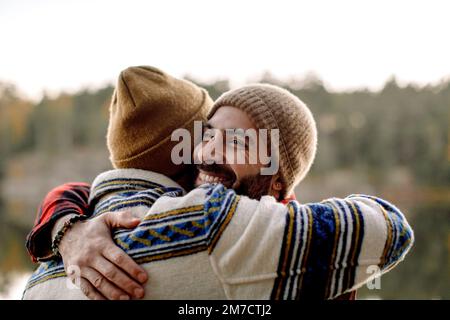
{"x": 64, "y": 45}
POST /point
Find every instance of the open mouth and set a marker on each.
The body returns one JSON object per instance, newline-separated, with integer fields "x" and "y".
{"x": 227, "y": 179}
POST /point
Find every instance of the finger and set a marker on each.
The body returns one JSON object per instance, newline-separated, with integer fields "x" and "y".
{"x": 89, "y": 290}
{"x": 74, "y": 274}
{"x": 102, "y": 285}
{"x": 117, "y": 277}
{"x": 118, "y": 257}
{"x": 123, "y": 219}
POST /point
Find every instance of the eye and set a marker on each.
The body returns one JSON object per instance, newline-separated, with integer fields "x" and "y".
{"x": 208, "y": 135}
{"x": 237, "y": 142}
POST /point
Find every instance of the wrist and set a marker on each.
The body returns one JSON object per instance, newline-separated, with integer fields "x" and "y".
{"x": 61, "y": 229}
{"x": 60, "y": 223}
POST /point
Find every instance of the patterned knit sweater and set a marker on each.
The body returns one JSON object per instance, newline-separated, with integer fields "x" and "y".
{"x": 213, "y": 244}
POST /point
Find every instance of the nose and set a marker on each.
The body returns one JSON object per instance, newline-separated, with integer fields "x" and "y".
{"x": 212, "y": 151}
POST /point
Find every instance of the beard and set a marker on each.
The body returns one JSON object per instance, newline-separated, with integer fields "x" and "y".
{"x": 253, "y": 186}
{"x": 186, "y": 178}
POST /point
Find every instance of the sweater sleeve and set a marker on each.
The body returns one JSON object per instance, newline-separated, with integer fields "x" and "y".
{"x": 69, "y": 198}
{"x": 312, "y": 251}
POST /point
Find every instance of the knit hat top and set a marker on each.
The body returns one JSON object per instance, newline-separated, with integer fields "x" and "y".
{"x": 271, "y": 107}
{"x": 146, "y": 107}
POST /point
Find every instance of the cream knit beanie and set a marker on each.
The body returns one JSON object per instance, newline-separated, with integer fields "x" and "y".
{"x": 272, "y": 107}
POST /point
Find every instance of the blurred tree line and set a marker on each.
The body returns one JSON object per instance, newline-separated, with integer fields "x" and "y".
{"x": 395, "y": 127}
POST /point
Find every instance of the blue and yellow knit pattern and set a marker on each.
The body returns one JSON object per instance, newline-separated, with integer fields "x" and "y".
{"x": 313, "y": 265}
{"x": 162, "y": 235}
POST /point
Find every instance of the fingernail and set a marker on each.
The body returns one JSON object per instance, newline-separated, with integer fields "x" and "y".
{"x": 124, "y": 297}
{"x": 139, "y": 292}
{"x": 142, "y": 277}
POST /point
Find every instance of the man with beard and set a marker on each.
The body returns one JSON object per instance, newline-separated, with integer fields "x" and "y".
{"x": 214, "y": 242}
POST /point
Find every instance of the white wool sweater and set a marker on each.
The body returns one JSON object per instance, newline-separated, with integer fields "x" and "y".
{"x": 213, "y": 244}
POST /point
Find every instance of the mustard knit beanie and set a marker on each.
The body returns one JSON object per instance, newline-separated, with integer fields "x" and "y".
{"x": 146, "y": 107}
{"x": 271, "y": 107}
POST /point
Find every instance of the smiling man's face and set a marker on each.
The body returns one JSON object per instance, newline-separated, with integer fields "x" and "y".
{"x": 218, "y": 155}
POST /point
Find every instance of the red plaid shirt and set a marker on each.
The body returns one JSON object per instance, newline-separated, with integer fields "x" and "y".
{"x": 69, "y": 198}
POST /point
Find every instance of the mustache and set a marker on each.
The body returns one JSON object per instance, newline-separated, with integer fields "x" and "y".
{"x": 218, "y": 169}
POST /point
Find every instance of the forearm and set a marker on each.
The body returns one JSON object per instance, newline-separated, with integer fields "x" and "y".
{"x": 58, "y": 225}
{"x": 367, "y": 234}
{"x": 66, "y": 200}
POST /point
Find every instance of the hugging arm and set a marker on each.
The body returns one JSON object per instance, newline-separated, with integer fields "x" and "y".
{"x": 320, "y": 250}
{"x": 312, "y": 251}
{"x": 369, "y": 237}
{"x": 105, "y": 270}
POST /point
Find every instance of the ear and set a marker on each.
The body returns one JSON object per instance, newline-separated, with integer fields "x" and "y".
{"x": 276, "y": 186}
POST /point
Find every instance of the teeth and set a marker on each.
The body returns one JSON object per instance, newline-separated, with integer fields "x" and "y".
{"x": 210, "y": 179}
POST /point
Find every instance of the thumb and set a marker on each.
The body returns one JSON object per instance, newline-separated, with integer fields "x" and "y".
{"x": 122, "y": 219}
